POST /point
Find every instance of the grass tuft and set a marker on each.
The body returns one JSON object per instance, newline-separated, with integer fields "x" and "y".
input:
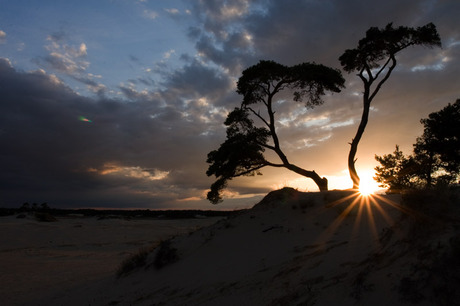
{"x": 134, "y": 261}
{"x": 165, "y": 255}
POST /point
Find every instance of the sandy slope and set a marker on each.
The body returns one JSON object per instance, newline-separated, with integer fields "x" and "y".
{"x": 296, "y": 248}
{"x": 40, "y": 259}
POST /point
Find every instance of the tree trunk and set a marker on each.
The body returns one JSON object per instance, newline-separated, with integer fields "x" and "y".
{"x": 367, "y": 99}
{"x": 354, "y": 143}
{"x": 321, "y": 182}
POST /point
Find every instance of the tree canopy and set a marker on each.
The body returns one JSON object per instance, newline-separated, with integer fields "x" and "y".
{"x": 397, "y": 172}
{"x": 242, "y": 153}
{"x": 374, "y": 59}
{"x": 436, "y": 156}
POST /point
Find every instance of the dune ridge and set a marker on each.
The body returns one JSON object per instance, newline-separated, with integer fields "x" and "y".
{"x": 296, "y": 248}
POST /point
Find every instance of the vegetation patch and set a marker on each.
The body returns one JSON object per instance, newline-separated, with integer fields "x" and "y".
{"x": 45, "y": 217}
{"x": 434, "y": 276}
{"x": 166, "y": 255}
{"x": 134, "y": 262}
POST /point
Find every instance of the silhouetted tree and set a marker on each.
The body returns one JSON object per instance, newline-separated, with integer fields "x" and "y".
{"x": 397, "y": 172}
{"x": 438, "y": 149}
{"x": 374, "y": 59}
{"x": 436, "y": 156}
{"x": 25, "y": 207}
{"x": 242, "y": 152}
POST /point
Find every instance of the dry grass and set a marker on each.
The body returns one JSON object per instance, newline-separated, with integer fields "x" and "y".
{"x": 134, "y": 261}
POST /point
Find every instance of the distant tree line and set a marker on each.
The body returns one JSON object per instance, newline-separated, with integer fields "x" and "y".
{"x": 26, "y": 207}
{"x": 435, "y": 160}
{"x": 114, "y": 213}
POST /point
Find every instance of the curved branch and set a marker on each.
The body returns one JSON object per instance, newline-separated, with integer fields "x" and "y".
{"x": 249, "y": 171}
{"x": 362, "y": 77}
{"x": 369, "y": 73}
{"x": 379, "y": 85}
{"x": 259, "y": 116}
{"x": 267, "y": 146}
{"x": 383, "y": 67}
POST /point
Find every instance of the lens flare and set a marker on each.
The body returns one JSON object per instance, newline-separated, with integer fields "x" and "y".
{"x": 84, "y": 119}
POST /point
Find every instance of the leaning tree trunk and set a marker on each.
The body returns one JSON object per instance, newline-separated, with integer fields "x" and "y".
{"x": 320, "y": 181}
{"x": 354, "y": 143}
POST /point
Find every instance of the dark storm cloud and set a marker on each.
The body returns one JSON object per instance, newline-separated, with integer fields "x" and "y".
{"x": 131, "y": 153}
{"x": 198, "y": 80}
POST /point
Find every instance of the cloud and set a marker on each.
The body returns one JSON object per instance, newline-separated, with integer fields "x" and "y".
{"x": 172, "y": 11}
{"x": 169, "y": 53}
{"x": 143, "y": 152}
{"x": 196, "y": 80}
{"x": 150, "y": 14}
{"x": 2, "y": 37}
{"x": 291, "y": 32}
{"x": 147, "y": 147}
{"x": 70, "y": 60}
{"x": 65, "y": 58}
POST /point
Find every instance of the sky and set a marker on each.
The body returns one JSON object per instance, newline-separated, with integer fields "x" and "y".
{"x": 116, "y": 103}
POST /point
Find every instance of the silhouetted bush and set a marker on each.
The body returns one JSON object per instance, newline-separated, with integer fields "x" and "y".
{"x": 45, "y": 217}
{"x": 165, "y": 255}
{"x": 433, "y": 215}
{"x": 135, "y": 261}
{"x": 439, "y": 202}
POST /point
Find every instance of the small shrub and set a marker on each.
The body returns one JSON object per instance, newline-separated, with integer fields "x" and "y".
{"x": 45, "y": 217}
{"x": 410, "y": 290}
{"x": 165, "y": 255}
{"x": 438, "y": 201}
{"x": 133, "y": 262}
{"x": 361, "y": 284}
{"x": 430, "y": 211}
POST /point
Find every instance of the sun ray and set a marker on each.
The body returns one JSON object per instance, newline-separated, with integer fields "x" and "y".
{"x": 380, "y": 209}
{"x": 367, "y": 213}
{"x": 332, "y": 228}
{"x": 371, "y": 217}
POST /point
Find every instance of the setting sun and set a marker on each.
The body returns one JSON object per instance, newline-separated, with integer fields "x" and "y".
{"x": 367, "y": 184}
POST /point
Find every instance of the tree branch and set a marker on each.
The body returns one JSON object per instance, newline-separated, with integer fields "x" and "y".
{"x": 379, "y": 85}
{"x": 369, "y": 73}
{"x": 267, "y": 146}
{"x": 251, "y": 170}
{"x": 383, "y": 68}
{"x": 361, "y": 76}
{"x": 259, "y": 116}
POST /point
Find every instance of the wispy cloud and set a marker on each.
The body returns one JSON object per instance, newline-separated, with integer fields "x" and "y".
{"x": 2, "y": 37}
{"x": 70, "y": 60}
{"x": 150, "y": 14}
{"x": 172, "y": 11}
{"x": 168, "y": 54}
{"x": 66, "y": 58}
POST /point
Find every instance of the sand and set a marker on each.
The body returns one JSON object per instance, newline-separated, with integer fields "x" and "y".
{"x": 292, "y": 248}
{"x": 43, "y": 259}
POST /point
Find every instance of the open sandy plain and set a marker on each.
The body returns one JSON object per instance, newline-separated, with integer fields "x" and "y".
{"x": 41, "y": 259}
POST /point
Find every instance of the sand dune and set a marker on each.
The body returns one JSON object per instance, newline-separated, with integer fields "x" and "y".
{"x": 292, "y": 248}
{"x": 43, "y": 259}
